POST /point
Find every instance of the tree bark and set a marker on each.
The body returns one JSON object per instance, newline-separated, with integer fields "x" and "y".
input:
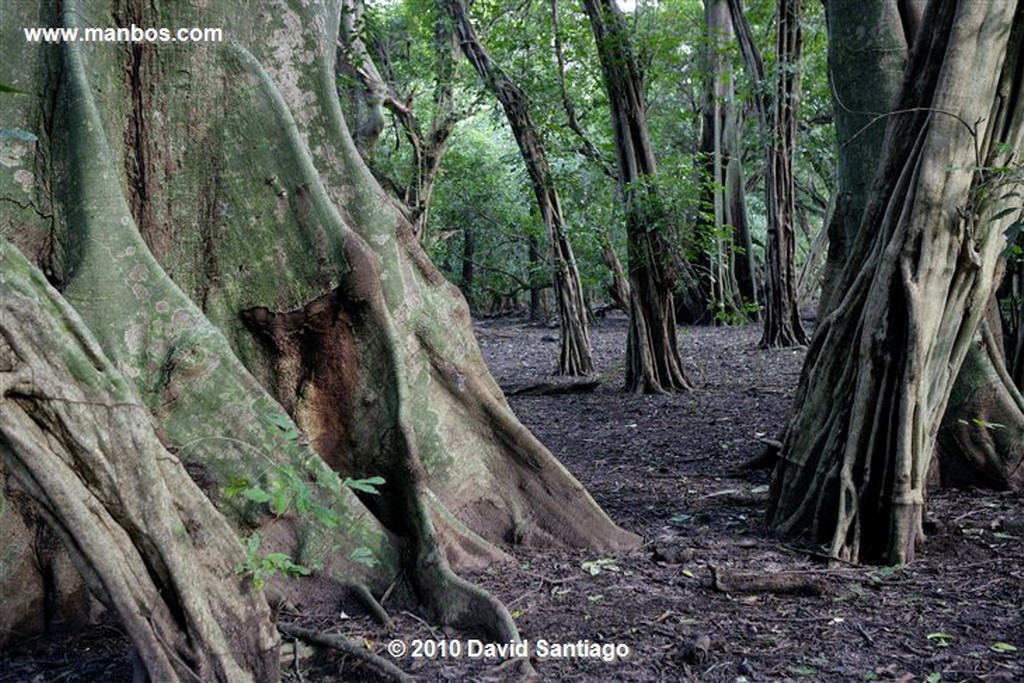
{"x": 145, "y": 538}
{"x": 881, "y": 366}
{"x": 653, "y": 364}
{"x": 867, "y": 50}
{"x": 782, "y": 325}
{"x": 574, "y": 357}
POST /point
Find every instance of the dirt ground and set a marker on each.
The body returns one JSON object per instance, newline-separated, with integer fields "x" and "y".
{"x": 664, "y": 467}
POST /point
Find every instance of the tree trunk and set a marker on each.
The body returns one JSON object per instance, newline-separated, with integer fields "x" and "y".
{"x": 868, "y": 44}
{"x": 880, "y": 370}
{"x": 468, "y": 262}
{"x": 981, "y": 440}
{"x": 782, "y": 325}
{"x": 376, "y": 93}
{"x": 970, "y": 452}
{"x": 574, "y": 356}
{"x": 727, "y": 266}
{"x": 249, "y": 190}
{"x": 653, "y": 364}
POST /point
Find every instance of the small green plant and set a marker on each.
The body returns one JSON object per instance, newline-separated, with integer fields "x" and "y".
{"x": 260, "y": 568}
{"x": 284, "y": 489}
{"x": 878, "y": 576}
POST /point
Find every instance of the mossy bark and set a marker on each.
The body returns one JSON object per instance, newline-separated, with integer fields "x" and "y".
{"x": 147, "y": 541}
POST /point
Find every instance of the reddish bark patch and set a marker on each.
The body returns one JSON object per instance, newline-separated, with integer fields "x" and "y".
{"x": 316, "y": 372}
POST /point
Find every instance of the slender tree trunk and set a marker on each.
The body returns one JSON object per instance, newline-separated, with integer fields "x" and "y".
{"x": 375, "y": 93}
{"x": 726, "y": 267}
{"x": 574, "y": 356}
{"x": 782, "y": 325}
{"x": 468, "y": 262}
{"x": 880, "y": 370}
{"x": 653, "y": 364}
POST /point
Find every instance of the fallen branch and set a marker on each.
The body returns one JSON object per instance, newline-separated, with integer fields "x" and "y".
{"x": 791, "y": 583}
{"x": 342, "y": 644}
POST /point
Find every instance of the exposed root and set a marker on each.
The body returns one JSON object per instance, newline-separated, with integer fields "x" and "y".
{"x": 344, "y": 645}
{"x": 372, "y": 606}
{"x": 765, "y": 459}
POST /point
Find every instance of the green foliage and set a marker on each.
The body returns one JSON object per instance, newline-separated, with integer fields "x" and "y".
{"x": 484, "y": 191}
{"x": 261, "y": 568}
{"x": 285, "y": 489}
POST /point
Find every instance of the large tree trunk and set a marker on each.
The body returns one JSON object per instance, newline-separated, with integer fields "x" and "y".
{"x": 229, "y": 166}
{"x": 574, "y": 356}
{"x": 881, "y": 367}
{"x": 147, "y": 541}
{"x": 653, "y": 364}
{"x": 782, "y": 325}
{"x": 868, "y": 46}
{"x": 867, "y": 49}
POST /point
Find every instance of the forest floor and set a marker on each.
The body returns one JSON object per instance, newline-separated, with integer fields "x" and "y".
{"x": 709, "y": 596}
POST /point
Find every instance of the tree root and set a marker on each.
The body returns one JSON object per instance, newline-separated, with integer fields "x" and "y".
{"x": 372, "y": 606}
{"x": 344, "y": 645}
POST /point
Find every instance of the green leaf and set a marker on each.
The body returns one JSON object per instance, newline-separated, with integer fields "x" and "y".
{"x": 368, "y": 485}
{"x": 940, "y": 639}
{"x": 9, "y": 89}
{"x": 933, "y": 677}
{"x": 1003, "y": 647}
{"x": 804, "y": 670}
{"x": 282, "y": 421}
{"x": 256, "y": 494}
{"x": 328, "y": 479}
{"x": 363, "y": 556}
{"x": 277, "y": 559}
{"x": 1004, "y": 213}
{"x": 285, "y": 424}
{"x": 236, "y": 486}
